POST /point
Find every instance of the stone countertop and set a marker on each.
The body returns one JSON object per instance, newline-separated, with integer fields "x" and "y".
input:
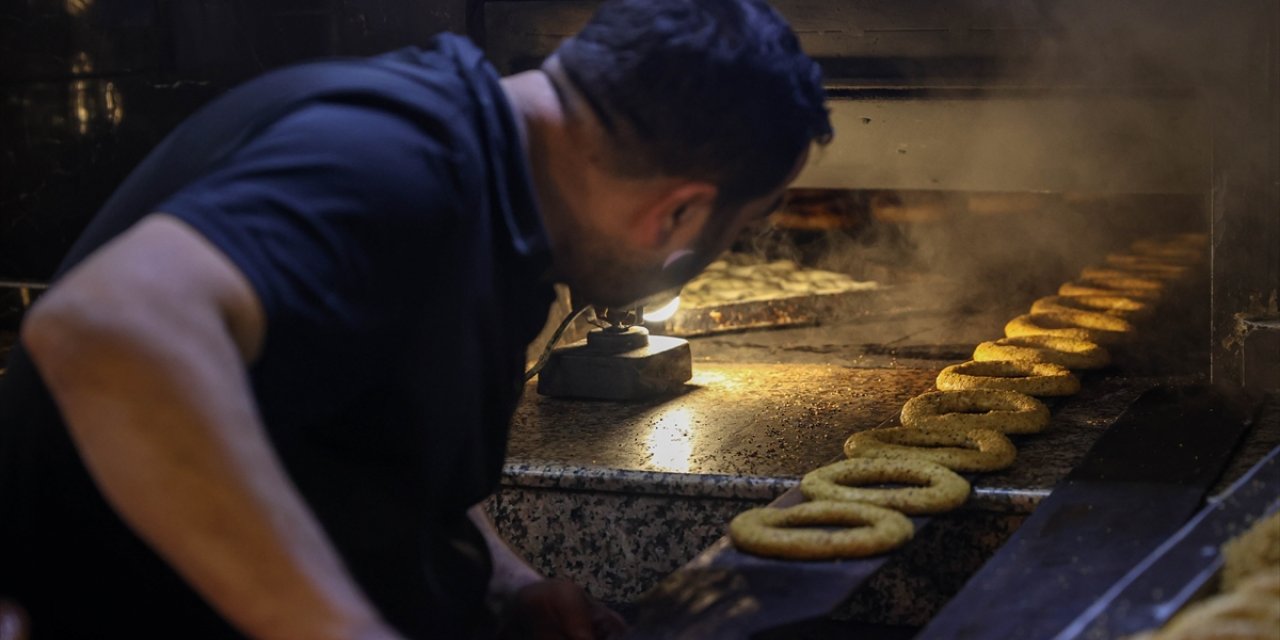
{"x": 757, "y": 419}
{"x": 766, "y": 407}
{"x": 750, "y": 431}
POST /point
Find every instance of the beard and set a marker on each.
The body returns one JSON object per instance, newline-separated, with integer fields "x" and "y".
{"x": 604, "y": 272}
{"x": 607, "y": 274}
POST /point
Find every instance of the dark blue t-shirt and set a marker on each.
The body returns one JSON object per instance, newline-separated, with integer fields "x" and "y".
{"x": 385, "y": 218}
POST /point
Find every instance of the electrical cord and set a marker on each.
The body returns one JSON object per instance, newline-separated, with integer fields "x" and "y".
{"x": 555, "y": 337}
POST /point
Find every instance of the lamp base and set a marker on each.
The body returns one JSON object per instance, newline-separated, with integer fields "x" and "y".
{"x": 599, "y": 368}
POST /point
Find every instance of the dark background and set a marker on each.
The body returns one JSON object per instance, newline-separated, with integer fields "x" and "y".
{"x": 87, "y": 87}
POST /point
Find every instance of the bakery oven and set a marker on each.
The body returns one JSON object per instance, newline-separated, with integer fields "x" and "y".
{"x": 987, "y": 155}
{"x": 996, "y": 147}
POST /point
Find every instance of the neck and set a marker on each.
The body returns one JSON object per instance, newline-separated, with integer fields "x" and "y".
{"x": 548, "y": 141}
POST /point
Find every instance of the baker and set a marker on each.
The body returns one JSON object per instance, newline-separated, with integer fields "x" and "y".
{"x": 273, "y": 378}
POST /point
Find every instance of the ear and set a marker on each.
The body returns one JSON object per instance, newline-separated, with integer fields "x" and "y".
{"x": 676, "y": 218}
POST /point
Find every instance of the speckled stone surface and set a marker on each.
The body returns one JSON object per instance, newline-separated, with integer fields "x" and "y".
{"x": 762, "y": 420}
{"x": 750, "y": 431}
{"x": 666, "y": 483}
{"x": 617, "y": 545}
{"x": 617, "y": 495}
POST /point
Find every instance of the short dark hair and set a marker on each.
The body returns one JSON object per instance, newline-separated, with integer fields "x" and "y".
{"x": 714, "y": 90}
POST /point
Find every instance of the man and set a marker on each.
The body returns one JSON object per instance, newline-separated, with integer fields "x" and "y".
{"x": 274, "y": 377}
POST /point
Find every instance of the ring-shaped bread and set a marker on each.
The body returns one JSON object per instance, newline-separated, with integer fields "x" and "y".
{"x": 1071, "y": 353}
{"x": 1167, "y": 250}
{"x": 1103, "y": 288}
{"x": 1031, "y": 378}
{"x": 1138, "y": 262}
{"x": 796, "y": 533}
{"x": 1118, "y": 279}
{"x": 936, "y": 488}
{"x": 996, "y": 409}
{"x": 1128, "y": 308}
{"x": 1162, "y": 273}
{"x": 955, "y": 449}
{"x": 1099, "y": 328}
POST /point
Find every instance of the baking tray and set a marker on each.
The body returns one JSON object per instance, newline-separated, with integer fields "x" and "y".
{"x": 768, "y": 313}
{"x": 1136, "y": 487}
{"x": 1186, "y": 565}
{"x": 725, "y": 593}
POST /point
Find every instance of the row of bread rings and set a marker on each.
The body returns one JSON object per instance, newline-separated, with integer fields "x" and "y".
{"x": 963, "y": 426}
{"x": 1071, "y": 330}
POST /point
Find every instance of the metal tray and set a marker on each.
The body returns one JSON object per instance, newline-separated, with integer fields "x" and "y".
{"x": 1185, "y": 566}
{"x": 768, "y": 313}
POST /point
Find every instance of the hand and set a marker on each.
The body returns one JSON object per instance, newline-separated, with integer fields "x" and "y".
{"x": 556, "y": 610}
{"x": 13, "y": 621}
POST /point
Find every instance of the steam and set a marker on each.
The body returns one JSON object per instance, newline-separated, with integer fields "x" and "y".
{"x": 1095, "y": 134}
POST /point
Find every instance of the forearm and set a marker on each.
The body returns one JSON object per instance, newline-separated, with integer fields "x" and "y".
{"x": 158, "y": 405}
{"x": 533, "y": 606}
{"x": 510, "y": 571}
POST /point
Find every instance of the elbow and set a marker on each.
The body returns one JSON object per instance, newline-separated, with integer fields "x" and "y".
{"x": 52, "y": 330}
{"x": 42, "y": 331}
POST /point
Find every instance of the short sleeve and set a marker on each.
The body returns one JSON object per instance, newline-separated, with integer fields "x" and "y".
{"x": 323, "y": 211}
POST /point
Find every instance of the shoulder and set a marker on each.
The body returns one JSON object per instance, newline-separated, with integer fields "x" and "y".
{"x": 366, "y": 138}
{"x": 382, "y": 159}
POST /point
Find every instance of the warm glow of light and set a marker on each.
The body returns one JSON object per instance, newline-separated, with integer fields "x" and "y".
{"x": 78, "y": 7}
{"x": 663, "y": 313}
{"x": 671, "y": 442}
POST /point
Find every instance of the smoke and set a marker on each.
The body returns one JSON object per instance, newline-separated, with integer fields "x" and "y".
{"x": 974, "y": 252}
{"x": 1073, "y": 129}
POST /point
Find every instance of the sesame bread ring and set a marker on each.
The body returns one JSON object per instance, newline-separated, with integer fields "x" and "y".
{"x": 1113, "y": 305}
{"x": 1129, "y": 260}
{"x": 1117, "y": 279}
{"x": 1098, "y": 328}
{"x": 1162, "y": 273}
{"x": 1031, "y": 378}
{"x": 1143, "y": 266}
{"x": 1104, "y": 288}
{"x": 793, "y": 532}
{"x": 955, "y": 449}
{"x": 1093, "y": 320}
{"x": 1068, "y": 352}
{"x": 937, "y": 489}
{"x": 995, "y": 409}
{"x": 1164, "y": 250}
{"x": 1248, "y": 613}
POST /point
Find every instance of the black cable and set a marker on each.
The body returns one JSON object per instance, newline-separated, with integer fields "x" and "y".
{"x": 555, "y": 337}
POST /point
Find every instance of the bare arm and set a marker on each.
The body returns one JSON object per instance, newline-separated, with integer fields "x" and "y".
{"x": 510, "y": 572}
{"x": 535, "y": 607}
{"x": 143, "y": 347}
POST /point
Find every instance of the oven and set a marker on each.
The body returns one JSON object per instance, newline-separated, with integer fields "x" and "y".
{"x": 985, "y": 155}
